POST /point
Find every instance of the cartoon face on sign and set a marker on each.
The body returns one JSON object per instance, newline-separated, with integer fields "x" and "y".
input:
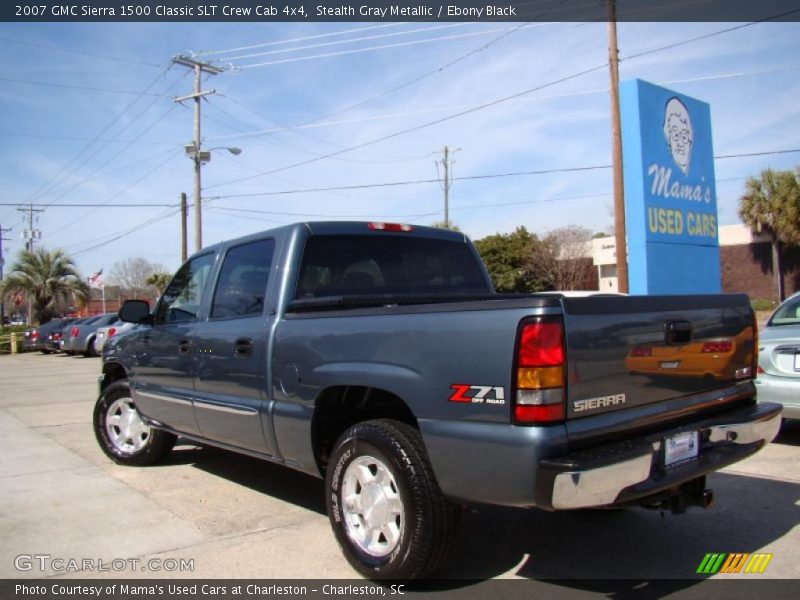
{"x": 678, "y": 133}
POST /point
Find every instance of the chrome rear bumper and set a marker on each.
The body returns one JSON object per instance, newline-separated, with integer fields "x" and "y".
{"x": 622, "y": 472}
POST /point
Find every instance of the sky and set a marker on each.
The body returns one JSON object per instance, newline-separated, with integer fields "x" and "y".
{"x": 297, "y": 98}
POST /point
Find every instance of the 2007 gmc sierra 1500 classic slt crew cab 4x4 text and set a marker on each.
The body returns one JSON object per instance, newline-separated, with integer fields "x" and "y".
{"x": 379, "y": 357}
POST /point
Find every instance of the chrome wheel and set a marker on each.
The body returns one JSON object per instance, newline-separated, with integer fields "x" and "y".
{"x": 373, "y": 510}
{"x": 125, "y": 427}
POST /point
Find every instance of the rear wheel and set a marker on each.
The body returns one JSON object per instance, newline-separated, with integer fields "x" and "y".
{"x": 386, "y": 509}
{"x": 122, "y": 432}
{"x": 91, "y": 350}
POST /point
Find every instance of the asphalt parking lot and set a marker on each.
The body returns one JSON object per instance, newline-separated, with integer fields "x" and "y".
{"x": 237, "y": 517}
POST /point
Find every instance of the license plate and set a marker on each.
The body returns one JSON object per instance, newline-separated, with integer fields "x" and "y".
{"x": 797, "y": 362}
{"x": 680, "y": 447}
{"x": 673, "y": 364}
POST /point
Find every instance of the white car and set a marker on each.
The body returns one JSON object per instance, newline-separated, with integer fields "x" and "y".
{"x": 779, "y": 358}
{"x": 104, "y": 333}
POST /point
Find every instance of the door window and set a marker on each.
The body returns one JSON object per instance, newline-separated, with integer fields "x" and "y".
{"x": 242, "y": 285}
{"x": 181, "y": 300}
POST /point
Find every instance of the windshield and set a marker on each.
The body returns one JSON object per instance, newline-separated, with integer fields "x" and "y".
{"x": 787, "y": 314}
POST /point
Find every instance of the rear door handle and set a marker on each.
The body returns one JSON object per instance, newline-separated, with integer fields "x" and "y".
{"x": 243, "y": 347}
{"x": 184, "y": 346}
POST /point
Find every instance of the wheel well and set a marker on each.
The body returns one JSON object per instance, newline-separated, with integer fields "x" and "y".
{"x": 340, "y": 407}
{"x": 112, "y": 372}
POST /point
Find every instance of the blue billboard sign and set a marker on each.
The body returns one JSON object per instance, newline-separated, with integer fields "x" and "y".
{"x": 670, "y": 193}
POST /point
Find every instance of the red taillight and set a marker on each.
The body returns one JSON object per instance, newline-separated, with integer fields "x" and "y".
{"x": 717, "y": 347}
{"x": 539, "y": 382}
{"x": 34, "y": 335}
{"x": 56, "y": 336}
{"x": 389, "y": 227}
{"x": 642, "y": 351}
{"x": 540, "y": 345}
{"x": 112, "y": 331}
{"x": 74, "y": 332}
{"x": 759, "y": 370}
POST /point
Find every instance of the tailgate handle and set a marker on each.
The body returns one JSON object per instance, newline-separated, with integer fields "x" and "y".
{"x": 677, "y": 332}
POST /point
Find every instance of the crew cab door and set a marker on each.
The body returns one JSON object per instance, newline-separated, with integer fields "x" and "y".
{"x": 231, "y": 349}
{"x": 164, "y": 370}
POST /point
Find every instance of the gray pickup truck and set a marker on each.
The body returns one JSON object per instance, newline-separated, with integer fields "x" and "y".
{"x": 379, "y": 357}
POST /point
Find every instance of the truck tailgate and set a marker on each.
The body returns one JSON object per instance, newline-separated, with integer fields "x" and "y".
{"x": 628, "y": 351}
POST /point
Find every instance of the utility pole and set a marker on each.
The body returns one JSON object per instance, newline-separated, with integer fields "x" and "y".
{"x": 193, "y": 151}
{"x": 616, "y": 152}
{"x": 447, "y": 163}
{"x": 31, "y": 234}
{"x": 2, "y": 263}
{"x": 184, "y": 215}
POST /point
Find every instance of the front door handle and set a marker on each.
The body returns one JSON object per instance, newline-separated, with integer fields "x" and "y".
{"x": 243, "y": 347}
{"x": 184, "y": 346}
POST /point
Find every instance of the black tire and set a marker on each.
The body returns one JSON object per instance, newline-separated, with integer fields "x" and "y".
{"x": 428, "y": 523}
{"x": 90, "y": 349}
{"x": 146, "y": 448}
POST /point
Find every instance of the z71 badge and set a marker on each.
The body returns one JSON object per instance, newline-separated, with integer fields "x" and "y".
{"x": 477, "y": 394}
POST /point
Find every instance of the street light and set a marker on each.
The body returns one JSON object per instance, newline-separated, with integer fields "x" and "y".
{"x": 200, "y": 157}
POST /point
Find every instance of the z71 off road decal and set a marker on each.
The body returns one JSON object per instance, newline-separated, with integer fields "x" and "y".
{"x": 477, "y": 394}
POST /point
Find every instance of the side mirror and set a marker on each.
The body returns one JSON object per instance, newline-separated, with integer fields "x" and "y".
{"x": 135, "y": 311}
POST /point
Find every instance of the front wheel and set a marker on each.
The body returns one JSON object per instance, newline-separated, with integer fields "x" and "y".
{"x": 122, "y": 432}
{"x": 386, "y": 509}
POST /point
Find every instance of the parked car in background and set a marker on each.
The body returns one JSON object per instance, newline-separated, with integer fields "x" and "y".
{"x": 105, "y": 333}
{"x": 36, "y": 337}
{"x": 52, "y": 340}
{"x": 779, "y": 358}
{"x": 82, "y": 336}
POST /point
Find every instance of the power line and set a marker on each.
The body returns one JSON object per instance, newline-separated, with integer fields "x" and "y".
{"x": 119, "y": 193}
{"x": 68, "y": 165}
{"x": 471, "y": 177}
{"x": 84, "y": 139}
{"x": 316, "y": 124}
{"x": 300, "y": 39}
{"x": 370, "y": 49}
{"x": 80, "y": 52}
{"x": 76, "y": 87}
{"x": 421, "y": 126}
{"x": 350, "y": 41}
{"x": 710, "y": 35}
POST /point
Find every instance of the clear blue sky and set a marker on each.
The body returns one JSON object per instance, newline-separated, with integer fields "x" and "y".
{"x": 65, "y": 146}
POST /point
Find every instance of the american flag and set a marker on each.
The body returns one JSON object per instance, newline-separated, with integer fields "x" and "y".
{"x": 96, "y": 279}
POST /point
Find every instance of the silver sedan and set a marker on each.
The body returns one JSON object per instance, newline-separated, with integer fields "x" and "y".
{"x": 779, "y": 358}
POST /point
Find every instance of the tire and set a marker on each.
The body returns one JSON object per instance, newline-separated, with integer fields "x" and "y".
{"x": 121, "y": 432}
{"x": 407, "y": 529}
{"x": 90, "y": 349}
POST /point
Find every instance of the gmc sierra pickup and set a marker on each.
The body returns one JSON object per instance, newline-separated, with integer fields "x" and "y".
{"x": 379, "y": 357}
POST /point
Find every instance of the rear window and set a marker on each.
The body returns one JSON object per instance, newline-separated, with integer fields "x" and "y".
{"x": 363, "y": 265}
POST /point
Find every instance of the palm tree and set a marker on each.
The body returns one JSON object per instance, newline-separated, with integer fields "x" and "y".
{"x": 49, "y": 279}
{"x": 159, "y": 281}
{"x": 771, "y": 205}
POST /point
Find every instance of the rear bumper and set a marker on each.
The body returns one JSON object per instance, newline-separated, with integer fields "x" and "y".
{"x": 622, "y": 472}
{"x": 783, "y": 390}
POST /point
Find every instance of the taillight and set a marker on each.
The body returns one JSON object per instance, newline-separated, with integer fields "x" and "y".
{"x": 759, "y": 370}
{"x": 74, "y": 331}
{"x": 389, "y": 227}
{"x": 539, "y": 381}
{"x": 112, "y": 331}
{"x": 56, "y": 336}
{"x": 34, "y": 335}
{"x": 717, "y": 347}
{"x": 642, "y": 351}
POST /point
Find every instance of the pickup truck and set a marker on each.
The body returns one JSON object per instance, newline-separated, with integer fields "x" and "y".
{"x": 378, "y": 356}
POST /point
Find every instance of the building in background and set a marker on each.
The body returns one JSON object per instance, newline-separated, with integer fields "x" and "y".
{"x": 745, "y": 263}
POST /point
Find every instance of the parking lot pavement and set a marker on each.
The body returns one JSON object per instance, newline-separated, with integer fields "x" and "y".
{"x": 237, "y": 517}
